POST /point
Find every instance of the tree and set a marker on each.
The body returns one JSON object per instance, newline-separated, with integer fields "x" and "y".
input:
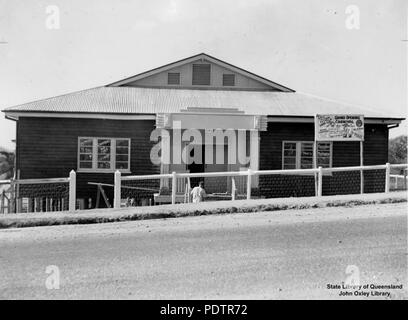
{"x": 6, "y": 164}
{"x": 397, "y": 150}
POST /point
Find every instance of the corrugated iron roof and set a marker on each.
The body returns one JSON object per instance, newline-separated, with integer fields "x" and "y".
{"x": 131, "y": 100}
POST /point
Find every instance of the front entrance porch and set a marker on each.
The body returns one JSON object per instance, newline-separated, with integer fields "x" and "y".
{"x": 205, "y": 141}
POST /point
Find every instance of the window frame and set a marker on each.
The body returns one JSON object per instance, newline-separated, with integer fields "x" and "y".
{"x": 298, "y": 159}
{"x": 330, "y": 152}
{"x": 95, "y": 155}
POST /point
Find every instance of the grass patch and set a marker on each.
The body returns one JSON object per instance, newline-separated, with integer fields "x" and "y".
{"x": 120, "y": 215}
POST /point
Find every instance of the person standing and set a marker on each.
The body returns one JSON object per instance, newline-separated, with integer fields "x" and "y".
{"x": 198, "y": 193}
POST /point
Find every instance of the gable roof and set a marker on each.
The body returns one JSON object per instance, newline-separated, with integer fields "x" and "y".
{"x": 116, "y": 99}
{"x": 151, "y": 101}
{"x": 206, "y": 57}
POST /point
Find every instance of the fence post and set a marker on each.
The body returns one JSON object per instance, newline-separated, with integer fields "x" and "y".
{"x": 188, "y": 189}
{"x": 117, "y": 188}
{"x": 12, "y": 202}
{"x": 387, "y": 177}
{"x": 18, "y": 199}
{"x": 361, "y": 181}
{"x": 173, "y": 187}
{"x": 249, "y": 180}
{"x": 233, "y": 188}
{"x": 72, "y": 191}
{"x": 3, "y": 194}
{"x": 320, "y": 182}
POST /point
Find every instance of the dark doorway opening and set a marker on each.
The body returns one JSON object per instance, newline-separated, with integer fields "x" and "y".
{"x": 200, "y": 165}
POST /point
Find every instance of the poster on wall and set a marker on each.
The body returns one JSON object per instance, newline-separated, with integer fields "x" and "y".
{"x": 339, "y": 127}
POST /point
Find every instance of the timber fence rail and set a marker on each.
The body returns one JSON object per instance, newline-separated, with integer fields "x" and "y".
{"x": 141, "y": 190}
{"x": 38, "y": 195}
{"x": 59, "y": 194}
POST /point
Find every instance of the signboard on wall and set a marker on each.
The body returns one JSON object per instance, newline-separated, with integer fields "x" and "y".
{"x": 339, "y": 127}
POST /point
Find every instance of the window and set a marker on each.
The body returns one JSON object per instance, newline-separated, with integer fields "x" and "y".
{"x": 306, "y": 155}
{"x": 324, "y": 154}
{"x": 228, "y": 80}
{"x": 201, "y": 74}
{"x": 103, "y": 154}
{"x": 299, "y": 154}
{"x": 173, "y": 78}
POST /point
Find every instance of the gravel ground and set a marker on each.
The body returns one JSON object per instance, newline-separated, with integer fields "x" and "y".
{"x": 205, "y": 208}
{"x": 257, "y": 255}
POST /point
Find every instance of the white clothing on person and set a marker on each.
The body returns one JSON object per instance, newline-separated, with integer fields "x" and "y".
{"x": 198, "y": 194}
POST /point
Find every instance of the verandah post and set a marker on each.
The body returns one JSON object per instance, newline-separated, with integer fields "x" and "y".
{"x": 387, "y": 177}
{"x": 117, "y": 188}
{"x": 173, "y": 187}
{"x": 249, "y": 179}
{"x": 72, "y": 191}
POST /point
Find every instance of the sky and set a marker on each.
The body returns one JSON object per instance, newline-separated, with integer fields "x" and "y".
{"x": 304, "y": 45}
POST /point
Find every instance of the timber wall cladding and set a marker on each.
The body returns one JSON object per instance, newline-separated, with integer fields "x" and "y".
{"x": 344, "y": 154}
{"x": 48, "y": 148}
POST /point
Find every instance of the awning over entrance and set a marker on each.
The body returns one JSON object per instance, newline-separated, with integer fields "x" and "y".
{"x": 210, "y": 118}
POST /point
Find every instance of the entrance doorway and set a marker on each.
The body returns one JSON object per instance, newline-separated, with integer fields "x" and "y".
{"x": 211, "y": 184}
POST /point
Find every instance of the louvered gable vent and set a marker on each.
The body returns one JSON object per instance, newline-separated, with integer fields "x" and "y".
{"x": 228, "y": 80}
{"x": 201, "y": 74}
{"x": 173, "y": 78}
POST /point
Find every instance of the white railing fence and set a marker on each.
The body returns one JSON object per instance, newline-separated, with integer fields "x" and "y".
{"x": 59, "y": 194}
{"x": 5, "y": 198}
{"x": 398, "y": 181}
{"x": 38, "y": 195}
{"x": 175, "y": 187}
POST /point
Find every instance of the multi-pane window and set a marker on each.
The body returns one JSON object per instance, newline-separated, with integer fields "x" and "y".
{"x": 201, "y": 74}
{"x": 86, "y": 153}
{"x": 306, "y": 155}
{"x": 324, "y": 154}
{"x": 228, "y": 80}
{"x": 289, "y": 155}
{"x": 173, "y": 78}
{"x": 103, "y": 154}
{"x": 299, "y": 154}
{"x": 122, "y": 154}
